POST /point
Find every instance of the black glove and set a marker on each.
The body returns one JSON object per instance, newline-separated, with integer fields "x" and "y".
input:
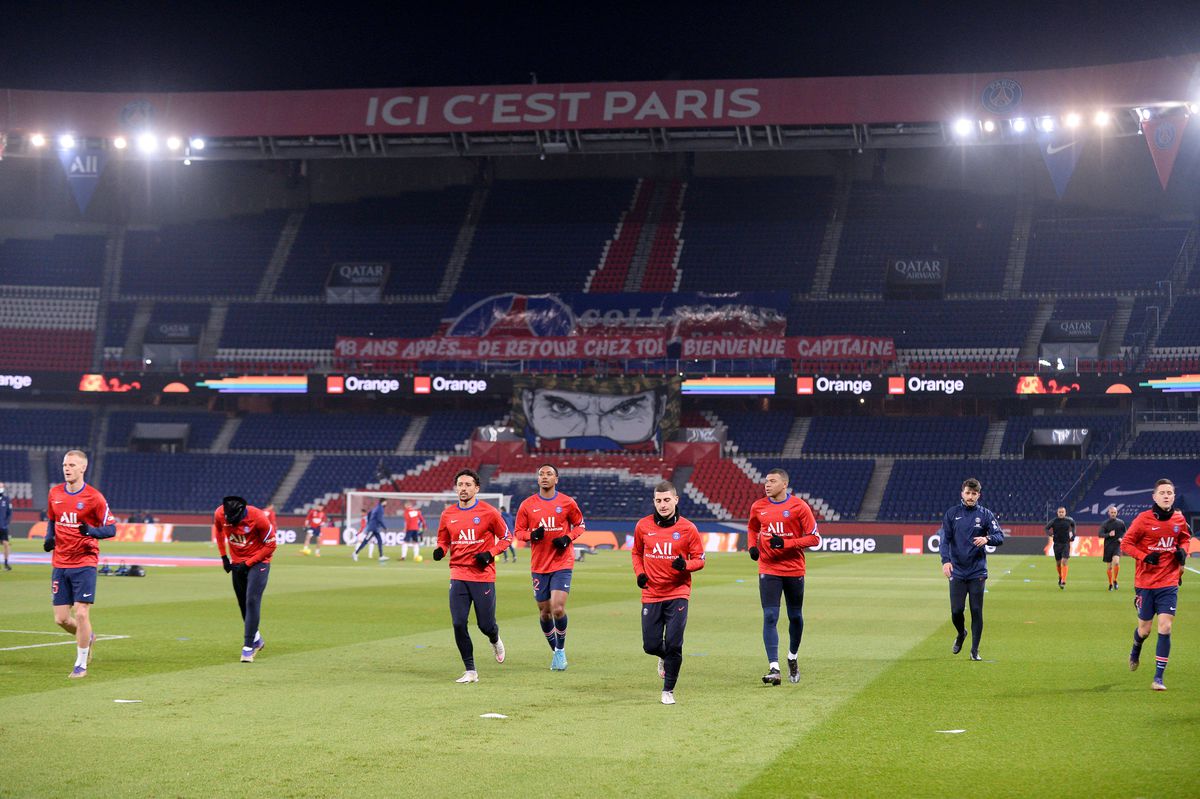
{"x": 776, "y": 542}
{"x": 482, "y": 559}
{"x": 226, "y": 564}
{"x": 84, "y": 529}
{"x": 1152, "y": 559}
{"x": 439, "y": 553}
{"x": 48, "y": 544}
{"x": 1181, "y": 555}
{"x": 753, "y": 553}
{"x": 679, "y": 564}
{"x": 643, "y": 580}
{"x": 538, "y": 534}
{"x": 241, "y": 569}
{"x": 562, "y": 542}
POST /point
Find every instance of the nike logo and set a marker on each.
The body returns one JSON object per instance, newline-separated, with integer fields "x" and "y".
{"x": 1172, "y": 610}
{"x": 85, "y": 596}
{"x": 1051, "y": 149}
{"x": 1153, "y": 528}
{"x": 956, "y": 518}
{"x": 58, "y": 502}
{"x": 485, "y": 593}
{"x": 454, "y": 521}
{"x": 1116, "y": 491}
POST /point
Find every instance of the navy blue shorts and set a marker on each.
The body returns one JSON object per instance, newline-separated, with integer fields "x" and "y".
{"x": 1150, "y": 601}
{"x": 544, "y": 583}
{"x": 3, "y": 533}
{"x": 68, "y": 586}
{"x": 412, "y": 536}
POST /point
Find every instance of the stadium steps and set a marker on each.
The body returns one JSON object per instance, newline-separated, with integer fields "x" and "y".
{"x": 292, "y": 478}
{"x": 408, "y": 441}
{"x": 1018, "y": 247}
{"x": 1118, "y": 328}
{"x": 993, "y": 439}
{"x": 662, "y": 271}
{"x": 462, "y": 243}
{"x": 279, "y": 257}
{"x": 137, "y": 329}
{"x": 39, "y": 481}
{"x": 873, "y": 496}
{"x": 831, "y": 241}
{"x": 613, "y": 267}
{"x": 220, "y": 444}
{"x": 645, "y": 243}
{"x": 206, "y": 348}
{"x": 96, "y": 445}
{"x": 794, "y": 446}
{"x": 1033, "y": 336}
{"x": 1152, "y": 337}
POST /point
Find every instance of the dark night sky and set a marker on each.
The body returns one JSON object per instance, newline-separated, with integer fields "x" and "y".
{"x": 165, "y": 46}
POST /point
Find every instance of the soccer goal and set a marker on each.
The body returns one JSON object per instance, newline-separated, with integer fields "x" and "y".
{"x": 431, "y": 505}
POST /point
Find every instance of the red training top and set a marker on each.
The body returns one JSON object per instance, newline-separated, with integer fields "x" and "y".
{"x": 654, "y": 548}
{"x": 66, "y": 511}
{"x": 1147, "y": 534}
{"x": 315, "y": 518}
{"x": 793, "y": 521}
{"x": 466, "y": 532}
{"x": 559, "y": 515}
{"x": 250, "y": 541}
{"x": 413, "y": 520}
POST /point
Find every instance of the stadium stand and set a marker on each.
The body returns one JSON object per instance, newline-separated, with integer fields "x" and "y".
{"x": 203, "y": 426}
{"x": 875, "y": 435}
{"x": 834, "y": 488}
{"x": 1166, "y": 443}
{"x": 320, "y": 432}
{"x": 332, "y": 474}
{"x": 296, "y": 331}
{"x": 955, "y": 326}
{"x": 448, "y": 430}
{"x": 41, "y": 427}
{"x": 1108, "y": 431}
{"x": 14, "y": 473}
{"x": 970, "y": 231}
{"x": 1182, "y": 328}
{"x": 755, "y": 431}
{"x": 190, "y": 481}
{"x": 60, "y": 261}
{"x": 752, "y": 233}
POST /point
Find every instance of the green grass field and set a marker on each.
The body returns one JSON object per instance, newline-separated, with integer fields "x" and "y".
{"x": 354, "y": 694}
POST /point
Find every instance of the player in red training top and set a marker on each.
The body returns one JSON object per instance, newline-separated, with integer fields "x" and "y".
{"x": 781, "y": 525}
{"x": 666, "y": 550}
{"x": 78, "y": 516}
{"x": 414, "y": 525}
{"x": 250, "y": 537}
{"x": 313, "y": 522}
{"x": 1158, "y": 539}
{"x": 473, "y": 532}
{"x": 550, "y": 520}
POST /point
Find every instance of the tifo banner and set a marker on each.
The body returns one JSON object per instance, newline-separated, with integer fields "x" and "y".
{"x": 1061, "y": 152}
{"x": 622, "y": 413}
{"x": 1163, "y": 136}
{"x": 483, "y": 349}
{"x": 846, "y": 347}
{"x": 83, "y": 168}
{"x": 678, "y": 315}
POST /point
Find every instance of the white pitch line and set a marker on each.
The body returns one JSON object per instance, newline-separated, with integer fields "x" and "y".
{"x": 37, "y": 632}
{"x": 58, "y": 643}
{"x": 1193, "y": 571}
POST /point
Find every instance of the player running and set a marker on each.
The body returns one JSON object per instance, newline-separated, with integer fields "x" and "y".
{"x": 1062, "y": 530}
{"x": 414, "y": 525}
{"x": 550, "y": 521}
{"x": 374, "y": 528}
{"x": 968, "y": 529}
{"x": 5, "y": 517}
{"x": 666, "y": 550}
{"x": 78, "y": 517}
{"x": 473, "y": 533}
{"x": 1158, "y": 539}
{"x": 781, "y": 525}
{"x": 250, "y": 537}
{"x": 1112, "y": 530}
{"x": 313, "y": 522}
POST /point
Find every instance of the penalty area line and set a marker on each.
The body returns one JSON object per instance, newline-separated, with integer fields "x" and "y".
{"x": 71, "y": 642}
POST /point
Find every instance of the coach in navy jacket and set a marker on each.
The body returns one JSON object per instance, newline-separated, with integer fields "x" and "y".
{"x": 967, "y": 530}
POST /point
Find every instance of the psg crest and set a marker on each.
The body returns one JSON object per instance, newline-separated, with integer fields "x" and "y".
{"x": 1164, "y": 136}
{"x": 1001, "y": 95}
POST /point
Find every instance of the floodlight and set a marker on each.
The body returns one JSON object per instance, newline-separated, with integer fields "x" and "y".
{"x": 147, "y": 142}
{"x": 962, "y": 127}
{"x": 989, "y": 126}
{"x": 66, "y": 141}
{"x": 174, "y": 142}
{"x": 1046, "y": 124}
{"x": 197, "y": 143}
{"x": 1144, "y": 113}
{"x": 120, "y": 143}
{"x": 1102, "y": 119}
{"x": 37, "y": 140}
{"x": 1193, "y": 108}
{"x": 1072, "y": 120}
{"x": 1019, "y": 125}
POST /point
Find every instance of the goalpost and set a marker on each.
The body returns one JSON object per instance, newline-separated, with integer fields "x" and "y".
{"x": 431, "y": 505}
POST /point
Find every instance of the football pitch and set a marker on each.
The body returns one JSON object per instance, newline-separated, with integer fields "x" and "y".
{"x": 354, "y": 694}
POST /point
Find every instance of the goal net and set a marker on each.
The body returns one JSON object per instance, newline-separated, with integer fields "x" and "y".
{"x": 359, "y": 503}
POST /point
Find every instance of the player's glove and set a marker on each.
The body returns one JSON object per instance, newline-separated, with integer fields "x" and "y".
{"x": 643, "y": 580}
{"x": 776, "y": 542}
{"x": 753, "y": 553}
{"x": 562, "y": 542}
{"x": 1181, "y": 555}
{"x": 1152, "y": 559}
{"x": 84, "y": 529}
{"x": 48, "y": 544}
{"x": 482, "y": 559}
{"x": 241, "y": 569}
{"x": 538, "y": 534}
{"x": 225, "y": 564}
{"x": 679, "y": 564}
{"x": 439, "y": 553}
